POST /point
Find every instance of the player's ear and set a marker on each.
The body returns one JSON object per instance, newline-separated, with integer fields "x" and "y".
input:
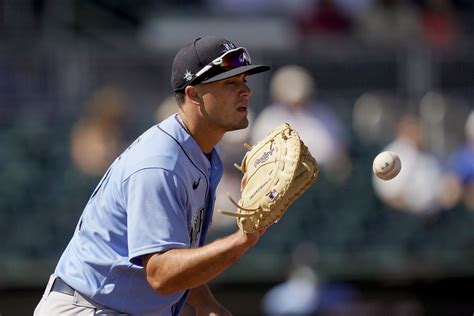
{"x": 193, "y": 95}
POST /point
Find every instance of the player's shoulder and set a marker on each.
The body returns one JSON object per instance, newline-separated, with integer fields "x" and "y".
{"x": 152, "y": 150}
{"x": 166, "y": 145}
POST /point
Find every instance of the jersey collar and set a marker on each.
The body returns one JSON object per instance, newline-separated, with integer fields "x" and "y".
{"x": 175, "y": 128}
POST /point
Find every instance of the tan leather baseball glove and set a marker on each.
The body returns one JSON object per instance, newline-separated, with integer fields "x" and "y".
{"x": 277, "y": 171}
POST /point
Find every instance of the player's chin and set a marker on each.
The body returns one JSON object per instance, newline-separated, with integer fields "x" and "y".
{"x": 238, "y": 124}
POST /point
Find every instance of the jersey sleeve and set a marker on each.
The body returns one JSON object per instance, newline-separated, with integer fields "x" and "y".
{"x": 156, "y": 213}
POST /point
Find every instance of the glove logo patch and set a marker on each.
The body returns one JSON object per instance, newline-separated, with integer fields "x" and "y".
{"x": 272, "y": 195}
{"x": 267, "y": 154}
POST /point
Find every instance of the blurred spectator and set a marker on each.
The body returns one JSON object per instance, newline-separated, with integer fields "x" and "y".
{"x": 388, "y": 23}
{"x": 373, "y": 117}
{"x": 461, "y": 169}
{"x": 166, "y": 108}
{"x": 258, "y": 8}
{"x": 440, "y": 23}
{"x": 433, "y": 115}
{"x": 299, "y": 294}
{"x": 326, "y": 18}
{"x": 97, "y": 137}
{"x": 353, "y": 8}
{"x": 415, "y": 189}
{"x": 303, "y": 293}
{"x": 293, "y": 93}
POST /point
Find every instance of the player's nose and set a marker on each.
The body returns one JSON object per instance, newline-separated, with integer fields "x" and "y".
{"x": 246, "y": 91}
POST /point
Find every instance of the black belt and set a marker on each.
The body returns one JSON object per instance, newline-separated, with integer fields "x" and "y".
{"x": 61, "y": 287}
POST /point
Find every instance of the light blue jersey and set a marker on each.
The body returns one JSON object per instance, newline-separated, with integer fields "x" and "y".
{"x": 158, "y": 195}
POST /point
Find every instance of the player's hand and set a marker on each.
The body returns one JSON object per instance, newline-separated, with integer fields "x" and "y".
{"x": 250, "y": 239}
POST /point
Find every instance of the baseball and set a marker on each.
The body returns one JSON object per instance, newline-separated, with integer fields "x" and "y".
{"x": 386, "y": 165}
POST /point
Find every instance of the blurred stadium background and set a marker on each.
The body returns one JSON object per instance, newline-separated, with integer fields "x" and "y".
{"x": 69, "y": 65}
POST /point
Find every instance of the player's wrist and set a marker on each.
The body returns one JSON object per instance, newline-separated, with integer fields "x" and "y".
{"x": 245, "y": 240}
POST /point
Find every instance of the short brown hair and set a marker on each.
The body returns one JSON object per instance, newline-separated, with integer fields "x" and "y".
{"x": 179, "y": 97}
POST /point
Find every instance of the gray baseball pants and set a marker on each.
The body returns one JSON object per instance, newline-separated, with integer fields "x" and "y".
{"x": 73, "y": 304}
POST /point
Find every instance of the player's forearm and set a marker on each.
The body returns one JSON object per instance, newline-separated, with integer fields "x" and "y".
{"x": 180, "y": 269}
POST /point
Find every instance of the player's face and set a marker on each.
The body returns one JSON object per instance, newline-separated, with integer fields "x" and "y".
{"x": 225, "y": 103}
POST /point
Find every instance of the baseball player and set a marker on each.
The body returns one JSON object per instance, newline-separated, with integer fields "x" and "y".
{"x": 138, "y": 248}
